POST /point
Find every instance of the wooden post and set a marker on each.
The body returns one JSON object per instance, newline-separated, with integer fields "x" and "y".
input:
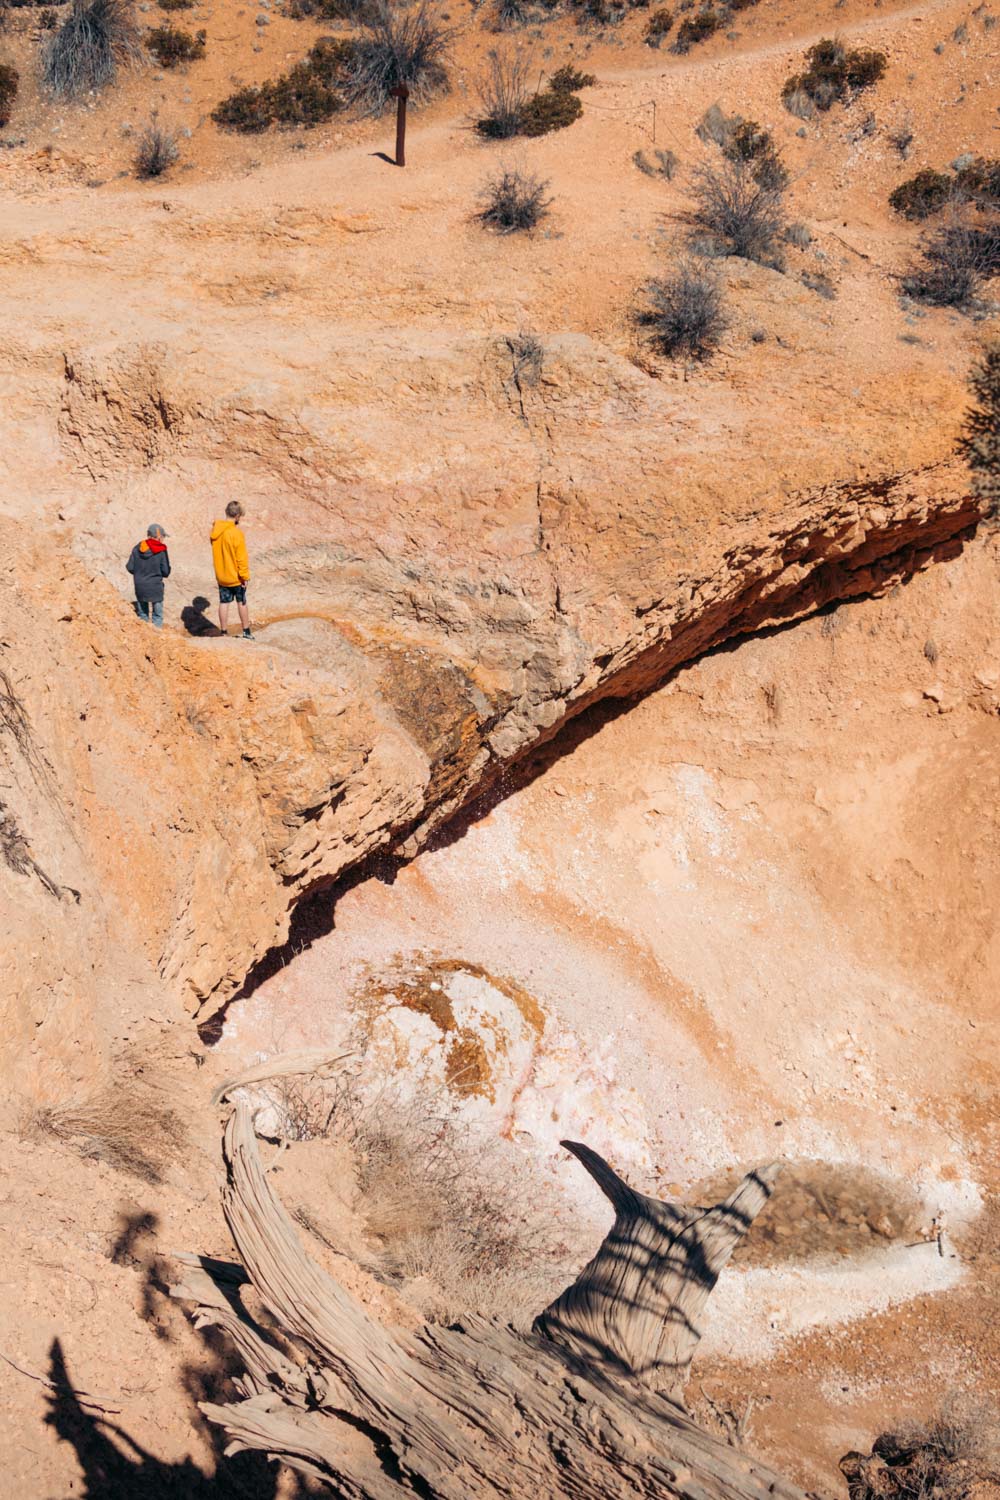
{"x": 400, "y": 93}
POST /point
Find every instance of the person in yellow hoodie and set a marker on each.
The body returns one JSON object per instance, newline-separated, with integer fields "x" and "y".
{"x": 232, "y": 567}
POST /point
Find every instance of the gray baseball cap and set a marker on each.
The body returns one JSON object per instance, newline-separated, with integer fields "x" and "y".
{"x": 156, "y": 530}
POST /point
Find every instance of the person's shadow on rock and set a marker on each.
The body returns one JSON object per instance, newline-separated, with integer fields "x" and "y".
{"x": 195, "y": 620}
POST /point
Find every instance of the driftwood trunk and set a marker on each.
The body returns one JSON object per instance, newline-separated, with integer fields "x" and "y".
{"x": 589, "y": 1404}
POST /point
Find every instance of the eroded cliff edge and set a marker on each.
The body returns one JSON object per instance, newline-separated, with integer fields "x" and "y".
{"x": 419, "y": 630}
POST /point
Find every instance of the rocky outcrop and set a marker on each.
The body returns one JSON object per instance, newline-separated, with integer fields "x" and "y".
{"x": 452, "y": 555}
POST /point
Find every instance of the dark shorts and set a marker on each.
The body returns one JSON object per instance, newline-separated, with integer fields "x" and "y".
{"x": 237, "y": 592}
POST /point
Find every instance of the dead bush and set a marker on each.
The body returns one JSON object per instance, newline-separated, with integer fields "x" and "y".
{"x": 171, "y": 45}
{"x": 799, "y": 104}
{"x": 833, "y": 73}
{"x": 979, "y": 444}
{"x": 956, "y": 261}
{"x": 716, "y": 127}
{"x": 157, "y": 150}
{"x": 738, "y": 214}
{"x": 503, "y": 93}
{"x": 684, "y": 311}
{"x": 9, "y": 81}
{"x": 124, "y": 1125}
{"x": 510, "y": 13}
{"x": 527, "y": 356}
{"x": 397, "y": 46}
{"x": 453, "y": 1213}
{"x": 513, "y": 201}
{"x": 665, "y": 164}
{"x": 820, "y": 283}
{"x": 97, "y": 38}
{"x": 901, "y": 139}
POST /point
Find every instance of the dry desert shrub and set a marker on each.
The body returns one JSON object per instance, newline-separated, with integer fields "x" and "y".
{"x": 509, "y": 109}
{"x": 752, "y": 143}
{"x": 157, "y": 150}
{"x": 929, "y": 191}
{"x": 397, "y": 46}
{"x": 684, "y": 311}
{"x": 922, "y": 195}
{"x": 979, "y": 444}
{"x": 503, "y": 93}
{"x": 171, "y": 45}
{"x": 736, "y": 214}
{"x": 326, "y": 10}
{"x": 949, "y": 1457}
{"x": 123, "y": 1124}
{"x": 833, "y": 73}
{"x": 549, "y": 110}
{"x": 513, "y": 201}
{"x": 454, "y": 1214}
{"x": 658, "y": 27}
{"x": 956, "y": 262}
{"x": 665, "y": 164}
{"x": 9, "y": 81}
{"x": 308, "y": 94}
{"x": 697, "y": 28}
{"x": 569, "y": 80}
{"x": 97, "y": 38}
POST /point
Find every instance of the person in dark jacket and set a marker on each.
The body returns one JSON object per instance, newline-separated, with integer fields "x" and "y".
{"x": 149, "y": 564}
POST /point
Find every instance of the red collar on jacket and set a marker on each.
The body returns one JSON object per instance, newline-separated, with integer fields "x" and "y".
{"x": 152, "y": 544}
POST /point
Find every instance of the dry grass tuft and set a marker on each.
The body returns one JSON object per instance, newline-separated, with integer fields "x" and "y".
{"x": 157, "y": 150}
{"x": 453, "y": 1214}
{"x": 93, "y": 43}
{"x": 513, "y": 202}
{"x": 124, "y": 1125}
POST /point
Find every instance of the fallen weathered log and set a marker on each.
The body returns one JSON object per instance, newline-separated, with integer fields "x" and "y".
{"x": 589, "y": 1404}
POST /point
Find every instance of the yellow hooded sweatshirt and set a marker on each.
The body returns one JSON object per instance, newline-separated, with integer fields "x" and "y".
{"x": 229, "y": 554}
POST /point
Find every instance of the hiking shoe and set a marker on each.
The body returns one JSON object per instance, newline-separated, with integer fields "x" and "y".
{"x": 248, "y": 635}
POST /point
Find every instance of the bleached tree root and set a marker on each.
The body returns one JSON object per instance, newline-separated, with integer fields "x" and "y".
{"x": 587, "y": 1405}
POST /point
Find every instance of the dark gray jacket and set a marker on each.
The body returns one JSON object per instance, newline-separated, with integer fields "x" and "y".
{"x": 149, "y": 564}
